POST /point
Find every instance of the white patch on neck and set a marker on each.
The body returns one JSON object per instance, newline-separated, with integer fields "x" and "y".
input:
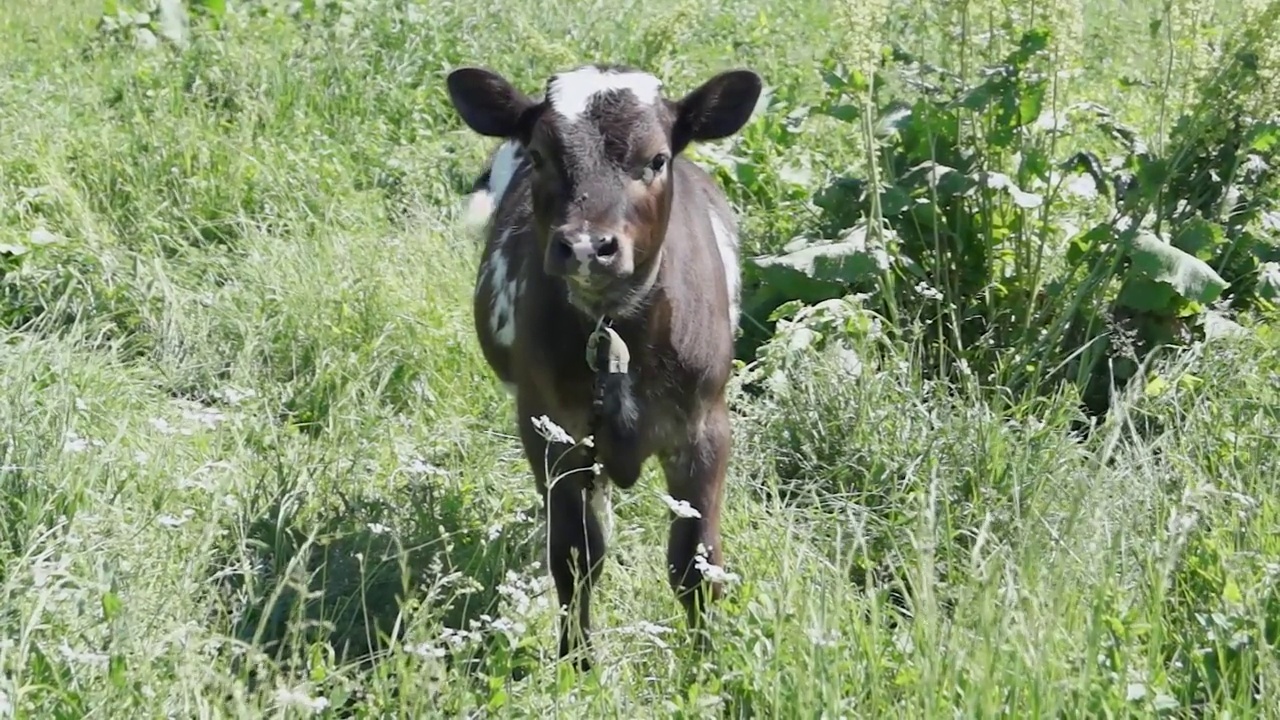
{"x": 503, "y": 168}
{"x": 505, "y": 291}
{"x": 571, "y": 93}
{"x": 480, "y": 207}
{"x": 727, "y": 244}
{"x": 482, "y": 203}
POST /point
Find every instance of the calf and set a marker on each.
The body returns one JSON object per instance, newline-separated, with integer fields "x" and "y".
{"x": 600, "y": 233}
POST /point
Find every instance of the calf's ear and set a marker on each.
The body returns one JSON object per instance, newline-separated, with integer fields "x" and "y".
{"x": 716, "y": 109}
{"x": 488, "y": 103}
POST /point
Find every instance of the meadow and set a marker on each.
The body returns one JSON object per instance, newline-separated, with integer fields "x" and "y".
{"x": 1008, "y": 402}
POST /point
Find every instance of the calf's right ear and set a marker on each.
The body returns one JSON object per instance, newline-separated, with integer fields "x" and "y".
{"x": 488, "y": 103}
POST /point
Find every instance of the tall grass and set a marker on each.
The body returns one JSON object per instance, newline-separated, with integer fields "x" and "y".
{"x": 253, "y": 463}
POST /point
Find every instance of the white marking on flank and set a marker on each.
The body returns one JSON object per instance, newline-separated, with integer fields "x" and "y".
{"x": 602, "y": 505}
{"x": 571, "y": 93}
{"x": 727, "y": 244}
{"x": 505, "y": 292}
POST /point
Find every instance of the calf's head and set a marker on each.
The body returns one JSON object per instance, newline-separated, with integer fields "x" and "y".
{"x": 600, "y": 143}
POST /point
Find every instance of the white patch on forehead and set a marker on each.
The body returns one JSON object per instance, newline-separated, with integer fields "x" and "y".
{"x": 504, "y": 291}
{"x": 571, "y": 93}
{"x": 727, "y": 244}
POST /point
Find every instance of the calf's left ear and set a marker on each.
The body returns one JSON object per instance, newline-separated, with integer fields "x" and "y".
{"x": 488, "y": 103}
{"x": 716, "y": 109}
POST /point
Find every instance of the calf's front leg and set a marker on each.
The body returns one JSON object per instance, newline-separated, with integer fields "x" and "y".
{"x": 576, "y": 544}
{"x": 695, "y": 472}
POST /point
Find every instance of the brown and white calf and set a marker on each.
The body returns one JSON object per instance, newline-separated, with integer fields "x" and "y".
{"x": 595, "y": 217}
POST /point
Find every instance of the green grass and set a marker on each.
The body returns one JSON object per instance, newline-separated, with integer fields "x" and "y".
{"x": 252, "y": 456}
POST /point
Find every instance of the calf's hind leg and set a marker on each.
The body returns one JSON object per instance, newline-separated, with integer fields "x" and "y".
{"x": 576, "y": 544}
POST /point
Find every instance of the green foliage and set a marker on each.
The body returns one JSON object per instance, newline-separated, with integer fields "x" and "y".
{"x": 252, "y": 462}
{"x": 963, "y": 229}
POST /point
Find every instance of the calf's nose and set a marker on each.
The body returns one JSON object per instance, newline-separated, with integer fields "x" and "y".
{"x": 585, "y": 248}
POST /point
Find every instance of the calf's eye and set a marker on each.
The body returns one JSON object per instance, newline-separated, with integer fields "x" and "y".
{"x": 655, "y": 166}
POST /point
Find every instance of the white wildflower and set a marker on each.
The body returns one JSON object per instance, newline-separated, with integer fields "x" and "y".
{"x": 44, "y": 570}
{"x": 651, "y": 629}
{"x": 378, "y": 528}
{"x": 418, "y": 467}
{"x": 173, "y": 522}
{"x": 74, "y": 443}
{"x": 710, "y": 571}
{"x": 681, "y": 508}
{"x": 234, "y": 395}
{"x": 297, "y": 698}
{"x": 424, "y": 650}
{"x": 822, "y": 638}
{"x": 1082, "y": 186}
{"x": 208, "y": 417}
{"x": 82, "y": 657}
{"x": 550, "y": 431}
{"x": 6, "y": 707}
{"x": 929, "y": 293}
{"x": 511, "y": 628}
{"x": 162, "y": 425}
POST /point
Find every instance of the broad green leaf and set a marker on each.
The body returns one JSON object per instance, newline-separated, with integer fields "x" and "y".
{"x": 1188, "y": 275}
{"x": 118, "y": 671}
{"x": 810, "y": 270}
{"x": 979, "y": 97}
{"x": 845, "y": 113}
{"x": 894, "y": 200}
{"x": 1155, "y": 386}
{"x": 1152, "y": 175}
{"x": 786, "y": 309}
{"x": 833, "y": 81}
{"x": 1031, "y": 102}
{"x": 1269, "y": 281}
{"x": 1000, "y": 181}
{"x": 1146, "y": 295}
{"x": 1200, "y": 238}
{"x": 216, "y": 8}
{"x": 1263, "y": 137}
{"x": 1032, "y": 42}
{"x": 892, "y": 119}
{"x": 111, "y": 605}
{"x": 1082, "y": 245}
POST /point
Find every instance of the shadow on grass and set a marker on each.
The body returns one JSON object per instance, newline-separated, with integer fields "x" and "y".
{"x": 350, "y": 579}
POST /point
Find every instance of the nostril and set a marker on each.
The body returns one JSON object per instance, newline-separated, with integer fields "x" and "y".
{"x": 563, "y": 249}
{"x": 606, "y": 246}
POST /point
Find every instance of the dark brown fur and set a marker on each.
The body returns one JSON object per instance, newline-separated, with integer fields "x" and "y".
{"x": 663, "y": 284}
